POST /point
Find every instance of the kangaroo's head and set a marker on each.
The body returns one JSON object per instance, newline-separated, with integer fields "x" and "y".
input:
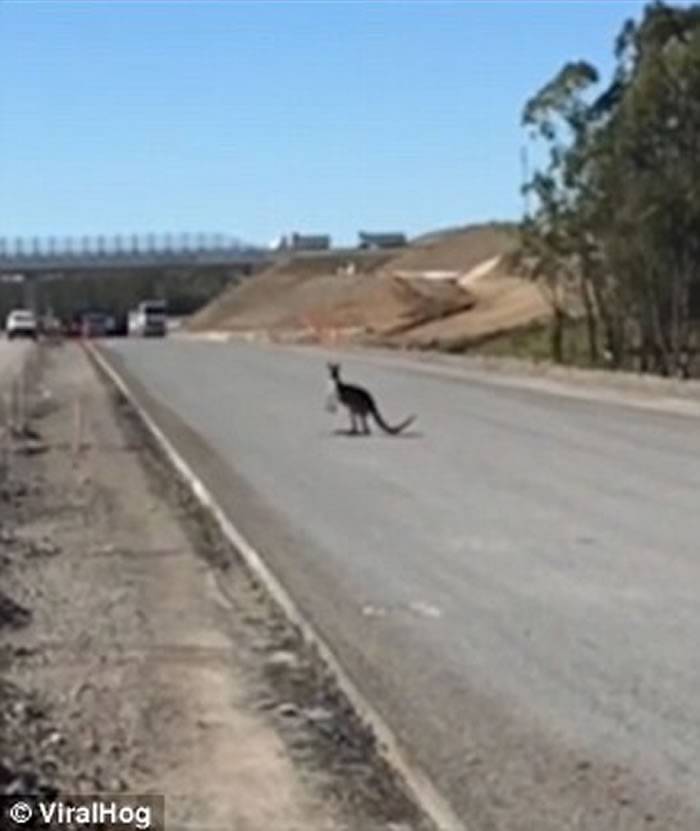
{"x": 334, "y": 370}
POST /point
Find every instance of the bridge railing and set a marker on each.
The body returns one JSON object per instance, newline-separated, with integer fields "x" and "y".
{"x": 118, "y": 244}
{"x": 123, "y": 249}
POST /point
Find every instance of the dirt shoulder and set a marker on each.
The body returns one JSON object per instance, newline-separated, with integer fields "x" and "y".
{"x": 138, "y": 656}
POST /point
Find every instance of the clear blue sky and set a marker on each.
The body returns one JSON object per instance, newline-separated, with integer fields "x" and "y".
{"x": 260, "y": 118}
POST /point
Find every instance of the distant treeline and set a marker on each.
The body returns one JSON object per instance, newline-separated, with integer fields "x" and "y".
{"x": 186, "y": 291}
{"x": 613, "y": 232}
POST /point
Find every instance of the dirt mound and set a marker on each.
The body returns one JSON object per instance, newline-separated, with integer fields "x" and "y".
{"x": 459, "y": 249}
{"x": 475, "y": 257}
{"x": 446, "y": 289}
{"x": 350, "y": 293}
{"x": 502, "y": 304}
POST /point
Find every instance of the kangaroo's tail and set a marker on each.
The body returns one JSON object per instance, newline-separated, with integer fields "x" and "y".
{"x": 389, "y": 428}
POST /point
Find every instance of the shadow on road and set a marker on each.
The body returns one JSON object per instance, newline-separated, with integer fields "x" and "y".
{"x": 409, "y": 434}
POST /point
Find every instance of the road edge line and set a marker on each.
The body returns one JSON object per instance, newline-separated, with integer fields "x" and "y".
{"x": 427, "y": 796}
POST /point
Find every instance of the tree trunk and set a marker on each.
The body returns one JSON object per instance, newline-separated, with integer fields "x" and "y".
{"x": 644, "y": 357}
{"x": 591, "y": 321}
{"x": 602, "y": 306}
{"x": 659, "y": 333}
{"x": 646, "y": 347}
{"x": 557, "y": 336}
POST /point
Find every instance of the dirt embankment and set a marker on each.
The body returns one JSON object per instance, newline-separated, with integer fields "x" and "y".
{"x": 460, "y": 250}
{"x": 446, "y": 290}
{"x": 313, "y": 295}
{"x": 139, "y": 657}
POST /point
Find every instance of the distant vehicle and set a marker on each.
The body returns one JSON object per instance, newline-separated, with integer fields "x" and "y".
{"x": 51, "y": 326}
{"x": 149, "y": 319}
{"x": 307, "y": 242}
{"x": 393, "y": 239}
{"x": 94, "y": 325}
{"x": 120, "y": 329}
{"x": 72, "y": 328}
{"x": 302, "y": 242}
{"x": 21, "y": 323}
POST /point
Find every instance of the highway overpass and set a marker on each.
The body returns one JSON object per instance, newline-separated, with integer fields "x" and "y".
{"x": 46, "y": 258}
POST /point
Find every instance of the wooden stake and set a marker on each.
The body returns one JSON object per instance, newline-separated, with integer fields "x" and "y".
{"x": 77, "y": 426}
{"x": 22, "y": 400}
{"x": 6, "y": 437}
{"x": 13, "y": 421}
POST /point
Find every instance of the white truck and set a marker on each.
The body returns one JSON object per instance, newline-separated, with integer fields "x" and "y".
{"x": 149, "y": 319}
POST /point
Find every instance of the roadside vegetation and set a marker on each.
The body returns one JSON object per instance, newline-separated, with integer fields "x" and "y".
{"x": 612, "y": 237}
{"x": 186, "y": 290}
{"x": 534, "y": 343}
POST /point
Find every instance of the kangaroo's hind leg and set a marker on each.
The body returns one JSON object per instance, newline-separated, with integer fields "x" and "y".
{"x": 365, "y": 424}
{"x": 353, "y": 423}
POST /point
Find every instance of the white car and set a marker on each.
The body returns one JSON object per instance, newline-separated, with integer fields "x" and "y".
{"x": 21, "y": 323}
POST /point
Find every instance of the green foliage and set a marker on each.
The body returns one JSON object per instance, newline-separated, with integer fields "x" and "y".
{"x": 617, "y": 218}
{"x": 185, "y": 290}
{"x": 533, "y": 343}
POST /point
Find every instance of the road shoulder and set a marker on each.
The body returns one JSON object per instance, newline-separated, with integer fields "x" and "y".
{"x": 152, "y": 662}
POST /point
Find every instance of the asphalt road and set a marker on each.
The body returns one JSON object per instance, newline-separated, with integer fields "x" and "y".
{"x": 514, "y": 585}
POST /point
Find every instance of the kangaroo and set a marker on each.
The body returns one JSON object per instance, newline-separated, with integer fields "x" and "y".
{"x": 360, "y": 405}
